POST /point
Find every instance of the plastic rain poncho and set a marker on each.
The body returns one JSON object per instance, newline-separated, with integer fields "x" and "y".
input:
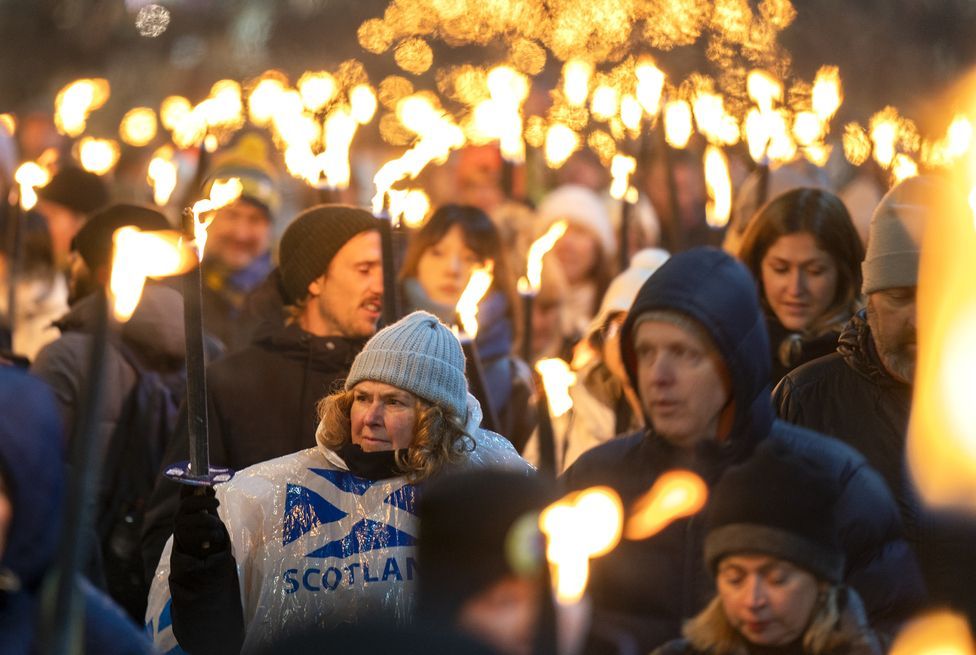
{"x": 316, "y": 545}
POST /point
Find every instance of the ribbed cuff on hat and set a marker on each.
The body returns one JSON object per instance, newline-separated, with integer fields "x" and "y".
{"x": 825, "y": 563}
{"x": 896, "y": 269}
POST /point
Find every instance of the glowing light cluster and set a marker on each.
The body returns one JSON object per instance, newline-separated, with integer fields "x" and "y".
{"x": 76, "y": 101}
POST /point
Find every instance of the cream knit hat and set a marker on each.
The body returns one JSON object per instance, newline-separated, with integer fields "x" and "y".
{"x": 418, "y": 354}
{"x": 895, "y": 234}
{"x": 579, "y": 206}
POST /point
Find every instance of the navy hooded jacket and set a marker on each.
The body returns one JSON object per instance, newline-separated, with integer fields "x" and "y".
{"x": 650, "y": 587}
{"x": 33, "y": 481}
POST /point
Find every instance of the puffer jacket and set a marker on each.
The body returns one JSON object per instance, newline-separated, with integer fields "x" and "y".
{"x": 851, "y": 396}
{"x": 33, "y": 478}
{"x": 652, "y": 586}
{"x": 154, "y": 335}
{"x": 313, "y": 545}
{"x": 261, "y": 404}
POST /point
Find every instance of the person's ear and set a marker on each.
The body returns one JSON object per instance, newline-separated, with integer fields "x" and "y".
{"x": 315, "y": 287}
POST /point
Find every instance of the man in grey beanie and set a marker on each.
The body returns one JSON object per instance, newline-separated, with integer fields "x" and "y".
{"x": 862, "y": 393}
{"x": 326, "y": 536}
{"x": 261, "y": 400}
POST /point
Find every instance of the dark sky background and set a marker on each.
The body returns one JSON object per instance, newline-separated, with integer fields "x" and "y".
{"x": 889, "y": 51}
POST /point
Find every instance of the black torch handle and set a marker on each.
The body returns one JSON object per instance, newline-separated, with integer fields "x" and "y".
{"x": 391, "y": 312}
{"x": 196, "y": 380}
{"x": 476, "y": 378}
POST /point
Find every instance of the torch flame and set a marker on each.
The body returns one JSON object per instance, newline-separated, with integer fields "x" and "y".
{"x": 621, "y": 168}
{"x": 340, "y": 128}
{"x": 162, "y": 174}
{"x": 476, "y": 288}
{"x": 884, "y": 134}
{"x": 98, "y": 156}
{"x": 222, "y": 193}
{"x": 606, "y": 100}
{"x": 827, "y": 95}
{"x": 677, "y": 123}
{"x": 941, "y": 446}
{"x": 138, "y": 126}
{"x": 580, "y": 526}
{"x": 138, "y": 255}
{"x": 719, "y": 184}
{"x": 317, "y": 89}
{"x": 576, "y": 81}
{"x": 561, "y": 142}
{"x": 30, "y": 176}
{"x": 674, "y": 495}
{"x": 538, "y": 250}
{"x": 650, "y": 86}
{"x": 362, "y": 102}
{"x": 76, "y": 101}
{"x": 764, "y": 89}
{"x": 557, "y": 378}
{"x": 937, "y": 633}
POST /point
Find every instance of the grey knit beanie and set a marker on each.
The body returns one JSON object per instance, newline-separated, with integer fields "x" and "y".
{"x": 418, "y": 354}
{"x": 895, "y": 234}
{"x": 313, "y": 239}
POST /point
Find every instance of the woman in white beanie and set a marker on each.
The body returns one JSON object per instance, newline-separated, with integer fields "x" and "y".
{"x": 585, "y": 253}
{"x": 326, "y": 536}
{"x": 604, "y": 403}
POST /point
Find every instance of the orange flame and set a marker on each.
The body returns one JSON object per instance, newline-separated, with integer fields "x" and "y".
{"x": 621, "y": 168}
{"x": 30, "y": 175}
{"x": 650, "y": 86}
{"x": 98, "y": 156}
{"x": 675, "y": 494}
{"x": 827, "y": 95}
{"x": 561, "y": 142}
{"x": 938, "y": 633}
{"x": 138, "y": 255}
{"x": 579, "y": 527}
{"x": 557, "y": 378}
{"x": 75, "y": 102}
{"x": 476, "y": 288}
{"x": 222, "y": 193}
{"x": 576, "y": 81}
{"x": 162, "y": 174}
{"x": 538, "y": 250}
{"x": 677, "y": 123}
{"x": 941, "y": 444}
{"x": 719, "y": 185}
{"x": 138, "y": 126}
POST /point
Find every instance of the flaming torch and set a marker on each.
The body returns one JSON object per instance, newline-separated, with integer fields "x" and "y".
{"x": 196, "y": 220}
{"x": 621, "y": 168}
{"x": 941, "y": 446}
{"x": 553, "y": 401}
{"x": 529, "y": 284}
{"x": 137, "y": 255}
{"x": 937, "y": 633}
{"x": 717, "y": 179}
{"x": 28, "y": 176}
{"x": 467, "y": 312}
{"x": 579, "y": 527}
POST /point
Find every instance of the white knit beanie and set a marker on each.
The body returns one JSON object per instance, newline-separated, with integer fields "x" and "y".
{"x": 579, "y": 206}
{"x": 623, "y": 289}
{"x": 418, "y": 354}
{"x": 895, "y": 234}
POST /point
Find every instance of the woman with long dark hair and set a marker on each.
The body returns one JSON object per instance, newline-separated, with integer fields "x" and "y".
{"x": 806, "y": 255}
{"x": 438, "y": 264}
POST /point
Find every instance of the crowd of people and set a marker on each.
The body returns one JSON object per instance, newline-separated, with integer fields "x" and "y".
{"x": 383, "y": 497}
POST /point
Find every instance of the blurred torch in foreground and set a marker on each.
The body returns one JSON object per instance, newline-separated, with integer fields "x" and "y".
{"x": 579, "y": 527}
{"x": 942, "y": 432}
{"x": 939, "y": 633}
{"x": 467, "y": 312}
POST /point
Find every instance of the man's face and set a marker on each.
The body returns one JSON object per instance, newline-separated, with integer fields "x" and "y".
{"x": 683, "y": 383}
{"x": 347, "y": 300}
{"x": 382, "y": 417}
{"x": 891, "y": 317}
{"x": 238, "y": 235}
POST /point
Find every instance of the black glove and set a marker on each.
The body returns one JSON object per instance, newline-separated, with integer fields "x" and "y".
{"x": 198, "y": 531}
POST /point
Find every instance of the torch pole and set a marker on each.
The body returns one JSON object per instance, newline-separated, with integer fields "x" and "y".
{"x": 15, "y": 232}
{"x": 62, "y": 619}
{"x": 762, "y": 184}
{"x": 476, "y": 378}
{"x": 547, "y": 436}
{"x": 196, "y": 374}
{"x": 528, "y": 302}
{"x": 391, "y": 312}
{"x": 624, "y": 234}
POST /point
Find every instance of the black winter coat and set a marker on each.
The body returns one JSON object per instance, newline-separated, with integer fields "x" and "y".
{"x": 261, "y": 404}
{"x": 851, "y": 396}
{"x": 652, "y": 586}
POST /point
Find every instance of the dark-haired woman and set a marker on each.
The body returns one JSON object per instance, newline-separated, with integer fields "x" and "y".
{"x": 806, "y": 256}
{"x": 438, "y": 264}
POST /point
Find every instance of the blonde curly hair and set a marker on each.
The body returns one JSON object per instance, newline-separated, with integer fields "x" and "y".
{"x": 439, "y": 437}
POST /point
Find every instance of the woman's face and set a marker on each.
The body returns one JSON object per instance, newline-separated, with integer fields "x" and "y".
{"x": 799, "y": 280}
{"x": 578, "y": 252}
{"x": 382, "y": 417}
{"x": 445, "y": 267}
{"x": 767, "y": 600}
